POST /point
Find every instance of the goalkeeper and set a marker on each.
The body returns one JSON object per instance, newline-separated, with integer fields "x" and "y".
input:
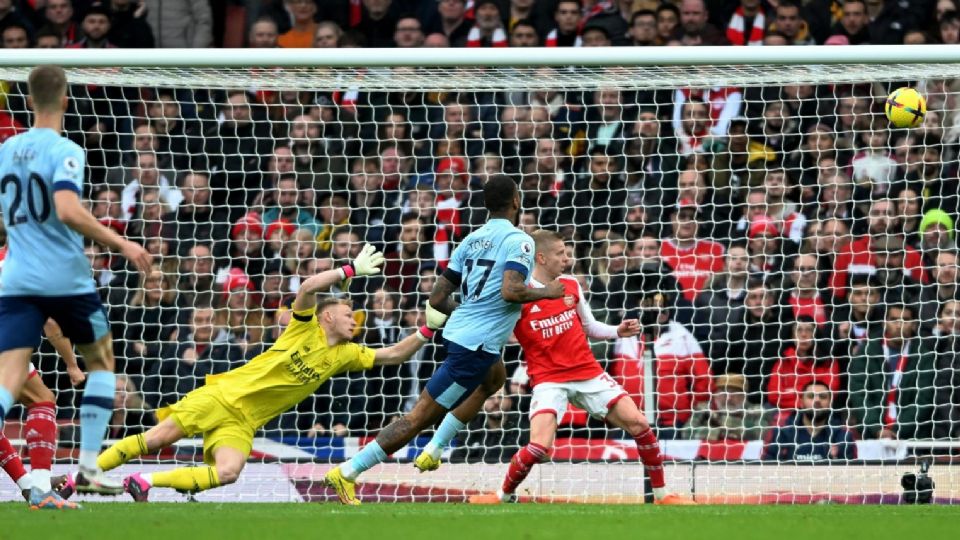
{"x": 232, "y": 406}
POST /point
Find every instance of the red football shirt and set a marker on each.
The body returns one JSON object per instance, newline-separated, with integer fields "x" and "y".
{"x": 694, "y": 266}
{"x": 554, "y": 340}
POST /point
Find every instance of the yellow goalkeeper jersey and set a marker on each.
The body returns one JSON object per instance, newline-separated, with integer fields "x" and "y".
{"x": 292, "y": 369}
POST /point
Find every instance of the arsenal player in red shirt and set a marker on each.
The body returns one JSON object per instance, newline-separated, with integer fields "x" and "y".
{"x": 693, "y": 261}
{"x": 562, "y": 369}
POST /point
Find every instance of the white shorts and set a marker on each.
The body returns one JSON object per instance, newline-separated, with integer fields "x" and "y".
{"x": 596, "y": 396}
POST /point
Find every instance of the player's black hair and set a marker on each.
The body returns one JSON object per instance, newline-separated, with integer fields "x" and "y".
{"x": 498, "y": 193}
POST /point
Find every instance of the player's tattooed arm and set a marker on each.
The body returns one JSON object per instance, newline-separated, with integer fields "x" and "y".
{"x": 441, "y": 298}
{"x": 515, "y": 290}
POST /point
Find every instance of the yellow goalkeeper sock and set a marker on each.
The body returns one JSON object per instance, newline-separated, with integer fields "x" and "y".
{"x": 122, "y": 452}
{"x": 190, "y": 479}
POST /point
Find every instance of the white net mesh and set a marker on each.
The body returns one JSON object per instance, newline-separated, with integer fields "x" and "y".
{"x": 806, "y": 241}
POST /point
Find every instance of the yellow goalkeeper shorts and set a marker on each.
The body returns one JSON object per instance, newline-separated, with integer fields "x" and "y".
{"x": 205, "y": 411}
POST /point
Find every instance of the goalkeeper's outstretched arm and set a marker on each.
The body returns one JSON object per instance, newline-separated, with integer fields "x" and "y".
{"x": 401, "y": 351}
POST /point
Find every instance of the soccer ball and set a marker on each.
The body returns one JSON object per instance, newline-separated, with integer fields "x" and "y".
{"x": 905, "y": 108}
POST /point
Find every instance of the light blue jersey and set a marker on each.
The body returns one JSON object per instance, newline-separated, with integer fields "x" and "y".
{"x": 44, "y": 256}
{"x": 484, "y": 318}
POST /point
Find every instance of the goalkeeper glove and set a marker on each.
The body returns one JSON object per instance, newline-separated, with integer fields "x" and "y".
{"x": 367, "y": 263}
{"x": 435, "y": 319}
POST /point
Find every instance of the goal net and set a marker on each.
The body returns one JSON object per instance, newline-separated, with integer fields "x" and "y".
{"x": 807, "y": 249}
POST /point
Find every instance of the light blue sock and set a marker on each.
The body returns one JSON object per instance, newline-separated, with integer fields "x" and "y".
{"x": 448, "y": 429}
{"x": 369, "y": 456}
{"x": 6, "y": 403}
{"x": 96, "y": 408}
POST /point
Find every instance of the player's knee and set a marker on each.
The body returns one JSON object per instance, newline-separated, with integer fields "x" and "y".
{"x": 636, "y": 425}
{"x": 228, "y": 473}
{"x": 493, "y": 383}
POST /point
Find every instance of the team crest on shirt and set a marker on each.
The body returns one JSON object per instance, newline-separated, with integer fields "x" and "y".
{"x": 569, "y": 300}
{"x": 71, "y": 165}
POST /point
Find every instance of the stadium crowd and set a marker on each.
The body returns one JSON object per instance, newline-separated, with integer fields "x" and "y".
{"x": 808, "y": 249}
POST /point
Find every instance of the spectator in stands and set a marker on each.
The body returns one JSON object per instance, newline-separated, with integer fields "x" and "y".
{"x": 763, "y": 247}
{"x": 376, "y": 398}
{"x": 747, "y": 24}
{"x": 235, "y": 143}
{"x": 181, "y": 23}
{"x": 946, "y": 348}
{"x": 595, "y": 33}
{"x": 108, "y": 210}
{"x": 724, "y": 295}
{"x": 859, "y": 256}
{"x": 408, "y": 32}
{"x": 643, "y": 28}
{"x": 15, "y": 36}
{"x": 728, "y": 416}
{"x": 567, "y": 17}
{"x": 436, "y": 40}
{"x": 287, "y": 200}
{"x": 789, "y": 22}
{"x": 683, "y": 382}
{"x": 131, "y": 414}
{"x": 691, "y": 126}
{"x": 203, "y": 348}
{"x": 59, "y": 18}
{"x": 197, "y": 270}
{"x": 243, "y": 316}
{"x": 334, "y": 209}
{"x": 524, "y": 34}
{"x": 936, "y": 231}
{"x": 668, "y": 22}
{"x": 411, "y": 251}
{"x": 516, "y": 137}
{"x": 96, "y": 27}
{"x": 48, "y": 38}
{"x": 949, "y": 28}
{"x": 942, "y": 289}
{"x": 751, "y": 342}
{"x": 608, "y": 288}
{"x": 328, "y": 35}
{"x": 889, "y": 257}
{"x": 196, "y": 219}
{"x": 10, "y": 15}
{"x": 263, "y": 34}
{"x": 597, "y": 201}
{"x": 805, "y": 297}
{"x": 452, "y": 22}
{"x": 693, "y": 261}
{"x": 147, "y": 176}
{"x": 807, "y": 359}
{"x": 494, "y": 435}
{"x": 247, "y": 250}
{"x": 145, "y": 321}
{"x": 303, "y": 24}
{"x": 488, "y": 28}
{"x": 813, "y": 432}
{"x": 176, "y": 138}
{"x": 891, "y": 381}
{"x": 854, "y": 23}
{"x": 712, "y": 208}
{"x": 836, "y": 201}
{"x": 694, "y": 28}
{"x": 128, "y": 25}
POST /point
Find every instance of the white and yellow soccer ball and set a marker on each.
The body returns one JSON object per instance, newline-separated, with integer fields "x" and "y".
{"x": 905, "y": 108}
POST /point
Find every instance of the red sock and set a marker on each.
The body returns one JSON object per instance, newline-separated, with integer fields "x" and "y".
{"x": 521, "y": 464}
{"x": 41, "y": 434}
{"x": 10, "y": 459}
{"x": 649, "y": 449}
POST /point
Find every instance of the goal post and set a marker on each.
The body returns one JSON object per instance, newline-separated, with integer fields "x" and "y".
{"x": 793, "y": 227}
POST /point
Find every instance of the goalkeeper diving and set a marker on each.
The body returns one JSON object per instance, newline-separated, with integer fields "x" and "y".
{"x": 230, "y": 408}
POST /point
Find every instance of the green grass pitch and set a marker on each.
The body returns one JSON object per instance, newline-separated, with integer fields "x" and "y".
{"x": 189, "y": 521}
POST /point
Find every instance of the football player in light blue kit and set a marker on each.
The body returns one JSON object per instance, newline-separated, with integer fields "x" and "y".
{"x": 491, "y": 268}
{"x": 46, "y": 274}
